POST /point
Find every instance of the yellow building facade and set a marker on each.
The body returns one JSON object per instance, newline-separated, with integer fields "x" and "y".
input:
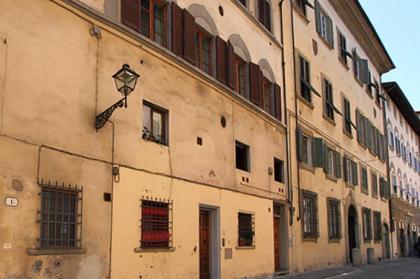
{"x": 223, "y": 162}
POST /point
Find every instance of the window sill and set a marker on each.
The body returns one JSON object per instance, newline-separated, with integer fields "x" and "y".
{"x": 245, "y": 247}
{"x": 375, "y": 196}
{"x": 329, "y": 120}
{"x": 305, "y": 101}
{"x": 350, "y": 185}
{"x": 330, "y": 177}
{"x": 325, "y": 42}
{"x": 342, "y": 62}
{"x": 365, "y": 192}
{"x": 43, "y": 251}
{"x": 369, "y": 93}
{"x": 153, "y": 250}
{"x": 367, "y": 240}
{"x": 348, "y": 134}
{"x": 334, "y": 240}
{"x": 152, "y": 141}
{"x": 358, "y": 81}
{"x": 310, "y": 238}
{"x": 301, "y": 14}
{"x": 306, "y": 167}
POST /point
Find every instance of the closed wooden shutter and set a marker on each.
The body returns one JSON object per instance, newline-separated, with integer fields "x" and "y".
{"x": 330, "y": 32}
{"x": 355, "y": 174}
{"x": 345, "y": 170}
{"x": 299, "y": 143}
{"x": 230, "y": 65}
{"x": 130, "y": 13}
{"x": 318, "y": 17}
{"x": 221, "y": 59}
{"x": 255, "y": 82}
{"x": 176, "y": 22}
{"x": 188, "y": 24}
{"x": 363, "y": 71}
{"x": 337, "y": 164}
{"x": 277, "y": 99}
{"x": 318, "y": 147}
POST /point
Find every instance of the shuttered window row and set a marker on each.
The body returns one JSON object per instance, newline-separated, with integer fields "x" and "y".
{"x": 370, "y": 137}
{"x": 189, "y": 40}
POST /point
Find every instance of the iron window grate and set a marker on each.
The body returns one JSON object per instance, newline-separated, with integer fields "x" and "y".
{"x": 156, "y": 223}
{"x": 246, "y": 229}
{"x": 60, "y": 216}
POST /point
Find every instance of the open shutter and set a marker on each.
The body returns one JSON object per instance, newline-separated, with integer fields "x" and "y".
{"x": 299, "y": 143}
{"x": 330, "y": 32}
{"x": 230, "y": 65}
{"x": 188, "y": 24}
{"x": 130, "y": 13}
{"x": 337, "y": 164}
{"x": 277, "y": 98}
{"x": 176, "y": 23}
{"x": 255, "y": 80}
{"x": 363, "y": 71}
{"x": 359, "y": 121}
{"x": 221, "y": 52}
{"x": 345, "y": 170}
{"x": 318, "y": 16}
{"x": 355, "y": 173}
{"x": 318, "y": 150}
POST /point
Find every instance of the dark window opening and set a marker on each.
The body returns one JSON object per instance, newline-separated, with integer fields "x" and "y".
{"x": 264, "y": 13}
{"x": 347, "y": 117}
{"x": 268, "y": 93}
{"x": 278, "y": 170}
{"x": 367, "y": 224}
{"x": 242, "y": 156}
{"x": 342, "y": 48}
{"x": 240, "y": 76}
{"x": 243, "y": 2}
{"x": 377, "y": 228}
{"x": 305, "y": 88}
{"x": 154, "y": 123}
{"x": 328, "y": 100}
{"x": 155, "y": 224}
{"x": 245, "y": 229}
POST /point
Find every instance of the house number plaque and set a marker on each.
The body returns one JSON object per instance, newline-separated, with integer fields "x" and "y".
{"x": 12, "y": 202}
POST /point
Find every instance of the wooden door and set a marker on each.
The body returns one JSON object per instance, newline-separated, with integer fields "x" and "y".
{"x": 204, "y": 244}
{"x": 276, "y": 225}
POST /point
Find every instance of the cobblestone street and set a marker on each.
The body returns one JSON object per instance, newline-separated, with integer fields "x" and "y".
{"x": 406, "y": 268}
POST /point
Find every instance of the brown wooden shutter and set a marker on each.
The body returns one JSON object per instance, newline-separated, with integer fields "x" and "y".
{"x": 255, "y": 82}
{"x": 277, "y": 99}
{"x": 230, "y": 65}
{"x": 176, "y": 23}
{"x": 188, "y": 24}
{"x": 221, "y": 60}
{"x": 130, "y": 13}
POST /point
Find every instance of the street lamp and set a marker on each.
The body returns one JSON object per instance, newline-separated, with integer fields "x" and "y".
{"x": 125, "y": 81}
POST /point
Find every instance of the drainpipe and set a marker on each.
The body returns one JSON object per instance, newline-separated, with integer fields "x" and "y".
{"x": 283, "y": 67}
{"x": 388, "y": 173}
{"x": 296, "y": 108}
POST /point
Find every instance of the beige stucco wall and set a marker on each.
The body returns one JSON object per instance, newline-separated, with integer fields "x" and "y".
{"x": 306, "y": 254}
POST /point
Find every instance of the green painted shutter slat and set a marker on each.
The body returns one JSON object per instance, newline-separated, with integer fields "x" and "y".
{"x": 318, "y": 16}
{"x": 299, "y": 143}
{"x": 337, "y": 164}
{"x": 318, "y": 147}
{"x": 355, "y": 173}
{"x": 330, "y": 32}
{"x": 325, "y": 156}
{"x": 345, "y": 174}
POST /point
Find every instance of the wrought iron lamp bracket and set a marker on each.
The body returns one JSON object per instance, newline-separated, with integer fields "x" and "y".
{"x": 103, "y": 117}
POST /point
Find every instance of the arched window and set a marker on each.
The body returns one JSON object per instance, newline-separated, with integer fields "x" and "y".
{"x": 241, "y": 59}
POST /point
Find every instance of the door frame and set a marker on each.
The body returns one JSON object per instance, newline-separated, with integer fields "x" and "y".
{"x": 214, "y": 238}
{"x": 356, "y": 231}
{"x": 284, "y": 234}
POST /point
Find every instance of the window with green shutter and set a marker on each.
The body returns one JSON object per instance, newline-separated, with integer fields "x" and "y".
{"x": 318, "y": 152}
{"x": 374, "y": 183}
{"x": 334, "y": 219}
{"x": 377, "y": 228}
{"x": 347, "y": 116}
{"x": 364, "y": 179}
{"x": 324, "y": 25}
{"x": 328, "y": 100}
{"x": 367, "y": 224}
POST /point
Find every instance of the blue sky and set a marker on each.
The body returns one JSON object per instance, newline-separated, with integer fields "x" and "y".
{"x": 397, "y": 24}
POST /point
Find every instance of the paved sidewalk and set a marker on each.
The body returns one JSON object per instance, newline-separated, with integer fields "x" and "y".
{"x": 404, "y": 268}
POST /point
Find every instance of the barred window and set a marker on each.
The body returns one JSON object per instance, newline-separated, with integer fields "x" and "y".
{"x": 310, "y": 215}
{"x": 156, "y": 225}
{"x": 60, "y": 217}
{"x": 245, "y": 229}
{"x": 334, "y": 219}
{"x": 377, "y": 226}
{"x": 367, "y": 224}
